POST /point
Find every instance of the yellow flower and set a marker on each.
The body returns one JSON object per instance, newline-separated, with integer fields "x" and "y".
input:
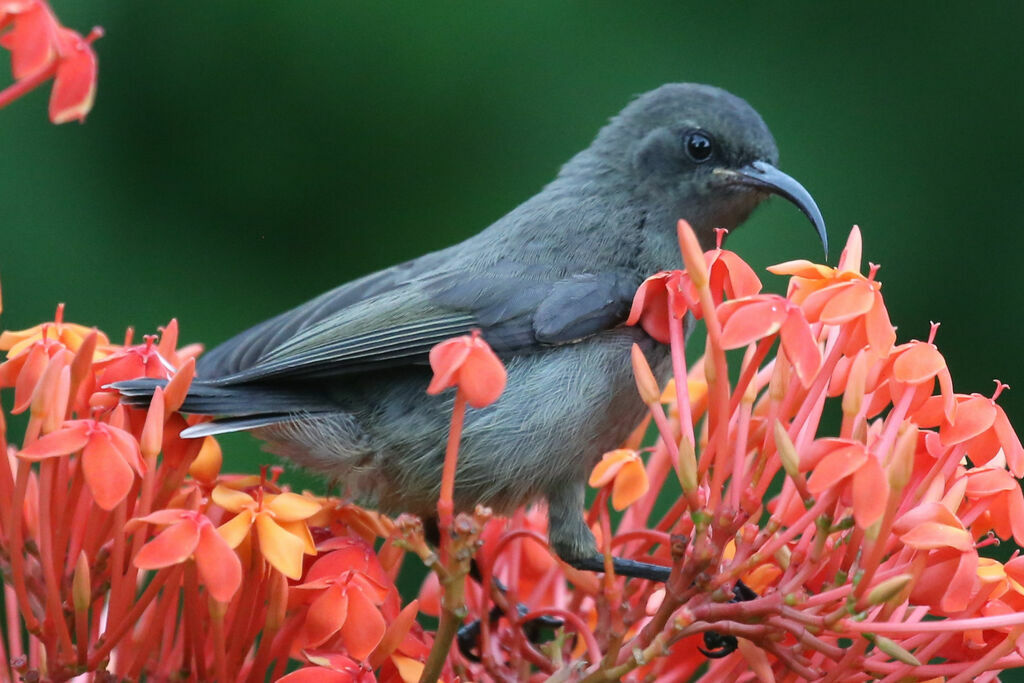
{"x": 280, "y": 525}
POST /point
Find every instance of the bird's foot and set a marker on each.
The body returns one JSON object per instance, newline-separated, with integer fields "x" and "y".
{"x": 468, "y": 637}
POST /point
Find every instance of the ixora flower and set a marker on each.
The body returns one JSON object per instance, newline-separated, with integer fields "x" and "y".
{"x": 797, "y": 551}
{"x": 42, "y": 49}
{"x": 188, "y": 534}
{"x": 280, "y": 527}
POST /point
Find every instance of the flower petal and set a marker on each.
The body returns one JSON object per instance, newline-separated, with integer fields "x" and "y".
{"x": 61, "y": 442}
{"x": 291, "y": 507}
{"x": 171, "y": 546}
{"x": 237, "y": 528}
{"x": 630, "y": 485}
{"x": 326, "y": 615}
{"x": 365, "y": 626}
{"x": 107, "y": 474}
{"x": 282, "y": 550}
{"x": 230, "y": 499}
{"x": 218, "y": 565}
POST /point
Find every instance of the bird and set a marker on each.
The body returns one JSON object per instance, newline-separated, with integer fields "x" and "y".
{"x": 337, "y": 384}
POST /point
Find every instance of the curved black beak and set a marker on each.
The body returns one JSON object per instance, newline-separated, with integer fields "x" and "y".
{"x": 764, "y": 176}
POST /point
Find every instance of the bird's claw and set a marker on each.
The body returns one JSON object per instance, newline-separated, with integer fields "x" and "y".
{"x": 468, "y": 637}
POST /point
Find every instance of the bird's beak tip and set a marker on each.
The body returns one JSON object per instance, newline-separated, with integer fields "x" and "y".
{"x": 768, "y": 178}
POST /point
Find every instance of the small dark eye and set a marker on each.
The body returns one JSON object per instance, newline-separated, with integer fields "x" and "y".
{"x": 698, "y": 146}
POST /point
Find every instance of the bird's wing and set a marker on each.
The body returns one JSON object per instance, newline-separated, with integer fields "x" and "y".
{"x": 515, "y": 307}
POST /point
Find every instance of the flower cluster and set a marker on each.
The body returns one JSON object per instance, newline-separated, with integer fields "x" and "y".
{"x": 809, "y": 551}
{"x": 125, "y": 550}
{"x": 42, "y": 49}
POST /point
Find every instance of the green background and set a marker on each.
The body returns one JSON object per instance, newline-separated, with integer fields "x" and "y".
{"x": 245, "y": 156}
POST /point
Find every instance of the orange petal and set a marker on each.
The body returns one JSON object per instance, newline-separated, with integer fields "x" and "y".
{"x": 317, "y": 674}
{"x": 852, "y": 301}
{"x": 850, "y": 258}
{"x": 177, "y": 387}
{"x": 409, "y": 669}
{"x": 207, "y": 464}
{"x": 152, "y": 437}
{"x": 742, "y": 281}
{"x": 870, "y": 493}
{"x": 28, "y": 378}
{"x": 801, "y": 348}
{"x": 973, "y": 416}
{"x": 107, "y": 474}
{"x": 482, "y": 376}
{"x": 932, "y": 535}
{"x": 604, "y": 471}
{"x": 395, "y": 634}
{"x": 365, "y": 626}
{"x": 62, "y": 442}
{"x": 630, "y": 485}
{"x": 230, "y": 499}
{"x": 171, "y": 546}
{"x": 919, "y": 363}
{"x": 1010, "y": 443}
{"x": 291, "y": 507}
{"x": 880, "y": 332}
{"x": 445, "y": 360}
{"x": 218, "y": 565}
{"x": 325, "y": 616}
{"x": 235, "y": 530}
{"x": 801, "y": 268}
{"x": 300, "y": 530}
{"x": 163, "y": 517}
{"x": 963, "y": 584}
{"x": 751, "y": 319}
{"x": 834, "y": 468}
{"x": 74, "y": 87}
{"x": 281, "y": 549}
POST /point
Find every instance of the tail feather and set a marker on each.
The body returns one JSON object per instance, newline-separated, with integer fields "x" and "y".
{"x": 231, "y": 401}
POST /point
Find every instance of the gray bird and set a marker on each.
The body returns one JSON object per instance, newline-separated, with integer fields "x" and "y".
{"x": 338, "y": 384}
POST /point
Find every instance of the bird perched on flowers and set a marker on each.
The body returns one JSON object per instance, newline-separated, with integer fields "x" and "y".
{"x": 338, "y": 383}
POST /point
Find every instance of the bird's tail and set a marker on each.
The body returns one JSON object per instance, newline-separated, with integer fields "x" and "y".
{"x": 237, "y": 407}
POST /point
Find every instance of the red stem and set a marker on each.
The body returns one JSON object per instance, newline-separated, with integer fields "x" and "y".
{"x": 116, "y": 630}
{"x": 446, "y": 503}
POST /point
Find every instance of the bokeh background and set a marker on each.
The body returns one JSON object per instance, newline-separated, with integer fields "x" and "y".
{"x": 245, "y": 156}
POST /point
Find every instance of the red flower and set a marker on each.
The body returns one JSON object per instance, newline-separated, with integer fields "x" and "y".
{"x": 747, "y": 320}
{"x": 40, "y": 49}
{"x": 192, "y": 534}
{"x": 468, "y": 363}
{"x": 110, "y": 457}
{"x": 345, "y": 602}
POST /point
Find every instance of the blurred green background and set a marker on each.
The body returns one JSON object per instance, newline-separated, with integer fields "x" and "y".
{"x": 245, "y": 156}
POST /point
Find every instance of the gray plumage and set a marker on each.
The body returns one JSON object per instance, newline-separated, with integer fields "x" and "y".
{"x": 338, "y": 384}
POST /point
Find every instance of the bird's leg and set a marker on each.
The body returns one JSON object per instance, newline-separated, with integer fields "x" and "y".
{"x": 573, "y": 542}
{"x": 468, "y": 636}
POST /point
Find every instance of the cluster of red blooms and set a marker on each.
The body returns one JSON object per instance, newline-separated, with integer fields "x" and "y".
{"x": 42, "y": 49}
{"x": 126, "y": 551}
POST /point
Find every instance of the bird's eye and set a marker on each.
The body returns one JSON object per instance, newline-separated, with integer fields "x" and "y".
{"x": 698, "y": 146}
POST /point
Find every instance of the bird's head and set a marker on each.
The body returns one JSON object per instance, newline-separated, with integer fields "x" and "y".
{"x": 700, "y": 153}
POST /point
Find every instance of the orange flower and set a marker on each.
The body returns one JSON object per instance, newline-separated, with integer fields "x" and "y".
{"x": 623, "y": 469}
{"x": 659, "y": 296}
{"x": 40, "y": 49}
{"x": 344, "y": 602}
{"x": 469, "y": 363}
{"x": 980, "y": 425}
{"x": 110, "y": 457}
{"x": 842, "y": 296}
{"x": 280, "y": 525}
{"x": 192, "y": 534}
{"x": 839, "y": 462}
{"x": 747, "y": 320}
{"x": 70, "y": 335}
